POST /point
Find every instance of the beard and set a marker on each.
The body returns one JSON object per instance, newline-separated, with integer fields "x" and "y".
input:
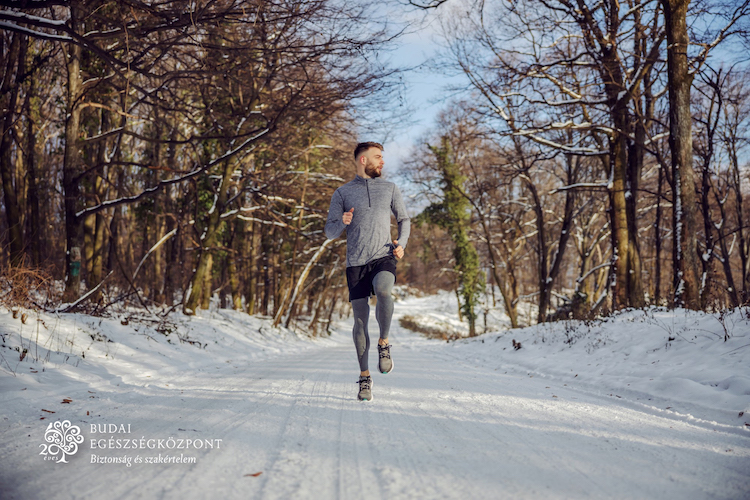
{"x": 372, "y": 171}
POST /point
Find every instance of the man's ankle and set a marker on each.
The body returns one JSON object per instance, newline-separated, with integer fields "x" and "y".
{"x": 364, "y": 374}
{"x": 383, "y": 342}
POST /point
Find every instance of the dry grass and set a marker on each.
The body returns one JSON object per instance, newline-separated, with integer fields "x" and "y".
{"x": 26, "y": 288}
{"x": 429, "y": 331}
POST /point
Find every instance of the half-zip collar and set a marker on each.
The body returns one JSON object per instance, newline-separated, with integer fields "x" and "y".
{"x": 367, "y": 186}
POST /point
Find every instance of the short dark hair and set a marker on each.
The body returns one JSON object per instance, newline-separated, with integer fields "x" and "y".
{"x": 364, "y": 146}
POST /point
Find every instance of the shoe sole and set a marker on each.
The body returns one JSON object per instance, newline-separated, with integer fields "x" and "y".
{"x": 389, "y": 371}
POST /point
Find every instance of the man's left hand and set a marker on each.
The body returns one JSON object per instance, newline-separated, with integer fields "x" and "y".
{"x": 398, "y": 250}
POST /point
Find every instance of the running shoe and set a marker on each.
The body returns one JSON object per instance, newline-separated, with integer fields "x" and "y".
{"x": 365, "y": 389}
{"x": 385, "y": 363}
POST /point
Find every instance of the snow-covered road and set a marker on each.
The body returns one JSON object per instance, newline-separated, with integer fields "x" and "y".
{"x": 440, "y": 426}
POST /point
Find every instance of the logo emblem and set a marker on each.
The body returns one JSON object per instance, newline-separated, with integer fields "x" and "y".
{"x": 63, "y": 439}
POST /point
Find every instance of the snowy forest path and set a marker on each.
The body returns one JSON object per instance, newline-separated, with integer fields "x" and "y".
{"x": 438, "y": 427}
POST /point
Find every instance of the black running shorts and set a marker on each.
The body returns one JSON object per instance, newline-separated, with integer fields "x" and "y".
{"x": 359, "y": 278}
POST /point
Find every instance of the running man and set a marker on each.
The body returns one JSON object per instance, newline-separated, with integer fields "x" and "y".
{"x": 363, "y": 207}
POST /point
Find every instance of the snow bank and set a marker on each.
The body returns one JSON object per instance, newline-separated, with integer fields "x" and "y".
{"x": 52, "y": 353}
{"x": 672, "y": 361}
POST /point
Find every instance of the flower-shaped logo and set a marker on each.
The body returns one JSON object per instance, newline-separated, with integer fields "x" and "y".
{"x": 63, "y": 438}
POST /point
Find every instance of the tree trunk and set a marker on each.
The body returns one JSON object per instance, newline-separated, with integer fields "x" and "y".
{"x": 9, "y": 91}
{"x": 726, "y": 259}
{"x": 625, "y": 272}
{"x": 35, "y": 230}
{"x": 114, "y": 225}
{"x": 619, "y": 209}
{"x": 209, "y": 241}
{"x": 161, "y": 224}
{"x": 501, "y": 281}
{"x": 222, "y": 282}
{"x": 739, "y": 210}
{"x": 19, "y": 172}
{"x": 543, "y": 284}
{"x": 147, "y": 230}
{"x": 207, "y": 287}
{"x": 251, "y": 294}
{"x": 94, "y": 225}
{"x": 71, "y": 164}
{"x": 706, "y": 155}
{"x": 267, "y": 263}
{"x": 685, "y": 217}
{"x": 565, "y": 227}
{"x": 172, "y": 264}
{"x": 277, "y": 279}
{"x": 657, "y": 239}
{"x": 636, "y": 297}
{"x": 234, "y": 275}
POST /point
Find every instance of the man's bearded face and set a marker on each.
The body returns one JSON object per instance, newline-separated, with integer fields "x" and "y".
{"x": 373, "y": 168}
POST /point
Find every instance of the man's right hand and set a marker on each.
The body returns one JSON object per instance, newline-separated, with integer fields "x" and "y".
{"x": 347, "y": 217}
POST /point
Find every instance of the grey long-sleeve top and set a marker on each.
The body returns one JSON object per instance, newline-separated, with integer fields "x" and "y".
{"x": 368, "y": 237}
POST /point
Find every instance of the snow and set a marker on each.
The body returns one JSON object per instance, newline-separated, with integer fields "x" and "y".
{"x": 645, "y": 404}
{"x": 23, "y": 17}
{"x": 213, "y": 205}
{"x": 38, "y": 34}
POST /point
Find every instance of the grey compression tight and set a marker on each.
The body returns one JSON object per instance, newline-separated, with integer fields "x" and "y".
{"x": 382, "y": 283}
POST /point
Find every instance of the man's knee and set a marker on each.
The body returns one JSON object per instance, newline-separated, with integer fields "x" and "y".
{"x": 361, "y": 308}
{"x": 383, "y": 285}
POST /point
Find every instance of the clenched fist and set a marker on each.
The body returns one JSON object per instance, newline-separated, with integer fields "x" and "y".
{"x": 347, "y": 217}
{"x": 398, "y": 250}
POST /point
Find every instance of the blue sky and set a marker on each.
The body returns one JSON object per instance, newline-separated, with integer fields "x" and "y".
{"x": 424, "y": 91}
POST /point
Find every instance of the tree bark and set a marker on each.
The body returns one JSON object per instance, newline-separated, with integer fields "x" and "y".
{"x": 685, "y": 218}
{"x": 208, "y": 243}
{"x": 740, "y": 212}
{"x": 726, "y": 259}
{"x": 541, "y": 236}
{"x": 626, "y": 258}
{"x": 234, "y": 275}
{"x": 35, "y": 230}
{"x": 636, "y": 297}
{"x": 71, "y": 163}
{"x": 251, "y": 293}
{"x": 94, "y": 225}
{"x": 9, "y": 89}
{"x": 657, "y": 238}
{"x": 172, "y": 251}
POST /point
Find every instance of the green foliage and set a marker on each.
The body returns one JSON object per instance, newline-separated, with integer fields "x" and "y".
{"x": 453, "y": 215}
{"x": 436, "y": 214}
